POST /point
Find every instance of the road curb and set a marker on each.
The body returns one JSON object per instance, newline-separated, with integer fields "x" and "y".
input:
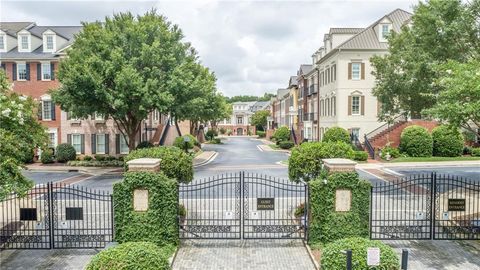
{"x": 208, "y": 160}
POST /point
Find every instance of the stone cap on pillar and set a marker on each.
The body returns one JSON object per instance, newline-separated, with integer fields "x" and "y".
{"x": 144, "y": 165}
{"x": 339, "y": 165}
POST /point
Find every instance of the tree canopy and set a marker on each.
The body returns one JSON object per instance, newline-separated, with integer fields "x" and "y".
{"x": 440, "y": 30}
{"x": 248, "y": 98}
{"x": 129, "y": 66}
{"x": 259, "y": 119}
{"x": 20, "y": 134}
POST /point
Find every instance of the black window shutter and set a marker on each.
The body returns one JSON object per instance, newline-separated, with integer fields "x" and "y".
{"x": 94, "y": 143}
{"x": 4, "y": 67}
{"x": 39, "y": 72}
{"x": 52, "y": 71}
{"x": 40, "y": 109}
{"x": 107, "y": 144}
{"x": 53, "y": 109}
{"x": 14, "y": 72}
{"x": 82, "y": 139}
{"x": 69, "y": 138}
{"x": 27, "y": 66}
{"x": 117, "y": 144}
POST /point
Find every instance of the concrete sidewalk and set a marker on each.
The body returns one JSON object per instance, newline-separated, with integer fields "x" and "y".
{"x": 39, "y": 167}
{"x": 204, "y": 158}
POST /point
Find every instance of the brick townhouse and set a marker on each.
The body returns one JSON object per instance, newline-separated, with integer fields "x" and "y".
{"x": 30, "y": 55}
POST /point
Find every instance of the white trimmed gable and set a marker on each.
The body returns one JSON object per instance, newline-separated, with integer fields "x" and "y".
{"x": 49, "y": 41}
{"x": 24, "y": 39}
{"x": 383, "y": 28}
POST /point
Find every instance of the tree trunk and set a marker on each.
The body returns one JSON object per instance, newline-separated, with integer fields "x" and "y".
{"x": 132, "y": 140}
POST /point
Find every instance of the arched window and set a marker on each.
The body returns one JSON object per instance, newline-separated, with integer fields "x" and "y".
{"x": 334, "y": 108}
{"x": 321, "y": 107}
{"x": 327, "y": 105}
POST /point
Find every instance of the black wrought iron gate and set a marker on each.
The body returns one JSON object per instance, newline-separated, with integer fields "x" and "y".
{"x": 426, "y": 206}
{"x": 54, "y": 215}
{"x": 243, "y": 206}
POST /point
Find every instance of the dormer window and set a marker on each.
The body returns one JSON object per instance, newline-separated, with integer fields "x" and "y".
{"x": 49, "y": 44}
{"x": 384, "y": 31}
{"x": 3, "y": 43}
{"x": 24, "y": 43}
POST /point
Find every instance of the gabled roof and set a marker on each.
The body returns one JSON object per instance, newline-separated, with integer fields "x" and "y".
{"x": 347, "y": 30}
{"x": 304, "y": 69}
{"x": 292, "y": 81}
{"x": 67, "y": 32}
{"x": 11, "y": 28}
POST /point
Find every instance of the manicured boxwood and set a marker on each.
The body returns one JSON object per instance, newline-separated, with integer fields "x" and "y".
{"x": 47, "y": 156}
{"x": 333, "y": 257}
{"x": 415, "y": 141}
{"x": 476, "y": 152}
{"x": 144, "y": 144}
{"x": 180, "y": 143}
{"x": 131, "y": 256}
{"x": 175, "y": 163}
{"x": 360, "y": 156}
{"x": 211, "y": 134}
{"x": 336, "y": 134}
{"x": 392, "y": 151}
{"x": 447, "y": 142}
{"x": 65, "y": 152}
{"x": 305, "y": 162}
{"x": 327, "y": 225}
{"x": 286, "y": 144}
{"x": 281, "y": 134}
{"x": 96, "y": 163}
{"x": 261, "y": 134}
{"x": 159, "y": 223}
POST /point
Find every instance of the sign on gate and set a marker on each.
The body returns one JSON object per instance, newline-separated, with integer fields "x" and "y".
{"x": 265, "y": 204}
{"x": 456, "y": 204}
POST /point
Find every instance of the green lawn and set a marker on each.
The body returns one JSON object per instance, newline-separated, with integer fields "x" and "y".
{"x": 274, "y": 146}
{"x": 433, "y": 159}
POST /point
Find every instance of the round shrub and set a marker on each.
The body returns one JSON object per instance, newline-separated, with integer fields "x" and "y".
{"x": 336, "y": 134}
{"x": 87, "y": 158}
{"x": 175, "y": 163}
{"x": 305, "y": 162}
{"x": 392, "y": 151}
{"x": 180, "y": 143}
{"x": 286, "y": 144}
{"x": 360, "y": 156}
{"x": 211, "y": 134}
{"x": 476, "y": 152}
{"x": 223, "y": 130}
{"x": 415, "y": 141}
{"x": 261, "y": 134}
{"x": 281, "y": 134}
{"x": 131, "y": 255}
{"x": 47, "y": 156}
{"x": 144, "y": 144}
{"x": 447, "y": 142}
{"x": 334, "y": 259}
{"x": 65, "y": 152}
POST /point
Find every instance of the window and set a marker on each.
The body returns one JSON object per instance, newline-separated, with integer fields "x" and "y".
{"x": 327, "y": 106}
{"x": 2, "y": 43}
{"x": 356, "y": 133}
{"x": 124, "y": 145}
{"x": 98, "y": 117}
{"x": 51, "y": 139}
{"x": 49, "y": 39}
{"x": 156, "y": 115}
{"x": 47, "y": 110}
{"x": 334, "y": 109}
{"x": 24, "y": 42}
{"x": 328, "y": 75}
{"x": 385, "y": 31}
{"x": 22, "y": 71}
{"x": 356, "y": 71}
{"x": 77, "y": 143}
{"x": 356, "y": 105}
{"x": 239, "y": 120}
{"x": 46, "y": 71}
{"x": 334, "y": 73}
{"x": 100, "y": 144}
{"x": 322, "y": 108}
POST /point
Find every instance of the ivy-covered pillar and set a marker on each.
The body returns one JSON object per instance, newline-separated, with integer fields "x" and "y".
{"x": 145, "y": 204}
{"x": 339, "y": 203}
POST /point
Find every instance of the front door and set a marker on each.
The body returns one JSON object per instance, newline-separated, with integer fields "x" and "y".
{"x": 239, "y": 131}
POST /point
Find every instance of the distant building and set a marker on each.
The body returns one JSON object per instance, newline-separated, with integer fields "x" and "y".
{"x": 240, "y": 121}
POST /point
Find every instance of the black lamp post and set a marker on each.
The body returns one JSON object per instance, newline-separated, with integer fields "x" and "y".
{"x": 186, "y": 140}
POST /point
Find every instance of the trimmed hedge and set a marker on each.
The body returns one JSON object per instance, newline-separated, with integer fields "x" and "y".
{"x": 96, "y": 163}
{"x": 415, "y": 141}
{"x": 144, "y": 144}
{"x": 394, "y": 152}
{"x": 211, "y": 134}
{"x": 159, "y": 223}
{"x": 447, "y": 142}
{"x": 476, "y": 152}
{"x": 180, "y": 143}
{"x": 305, "y": 162}
{"x": 360, "y": 156}
{"x": 47, "y": 156}
{"x": 336, "y": 134}
{"x": 281, "y": 134}
{"x": 65, "y": 152}
{"x": 286, "y": 144}
{"x": 261, "y": 134}
{"x": 132, "y": 256}
{"x": 175, "y": 163}
{"x": 334, "y": 259}
{"x": 327, "y": 225}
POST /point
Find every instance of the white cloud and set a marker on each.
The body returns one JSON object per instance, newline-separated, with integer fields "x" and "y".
{"x": 252, "y": 46}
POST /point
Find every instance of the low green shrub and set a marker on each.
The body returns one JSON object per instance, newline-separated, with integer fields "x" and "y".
{"x": 392, "y": 151}
{"x": 261, "y": 134}
{"x": 333, "y": 257}
{"x": 447, "y": 142}
{"x": 476, "y": 152}
{"x": 222, "y": 130}
{"x": 100, "y": 157}
{"x": 286, "y": 144}
{"x": 415, "y": 141}
{"x": 281, "y": 134}
{"x": 144, "y": 144}
{"x": 180, "y": 143}
{"x": 175, "y": 163}
{"x": 47, "y": 156}
{"x": 300, "y": 210}
{"x": 110, "y": 158}
{"x": 87, "y": 158}
{"x": 360, "y": 156}
{"x": 65, "y": 152}
{"x": 467, "y": 150}
{"x": 210, "y": 134}
{"x": 95, "y": 163}
{"x": 305, "y": 162}
{"x": 216, "y": 141}
{"x": 229, "y": 132}
{"x": 336, "y": 134}
{"x": 130, "y": 256}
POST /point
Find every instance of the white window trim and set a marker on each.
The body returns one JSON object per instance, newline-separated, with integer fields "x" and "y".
{"x": 4, "y": 38}
{"x": 29, "y": 40}
{"x": 97, "y": 143}
{"x": 45, "y": 47}
{"x": 359, "y": 105}
{"x": 98, "y": 117}
{"x": 18, "y": 70}
{"x": 380, "y": 30}
{"x": 55, "y": 132}
{"x": 49, "y": 118}
{"x": 80, "y": 142}
{"x": 50, "y": 73}
{"x": 359, "y": 71}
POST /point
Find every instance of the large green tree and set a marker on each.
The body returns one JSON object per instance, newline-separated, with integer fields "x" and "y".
{"x": 259, "y": 119}
{"x": 20, "y": 134}
{"x": 459, "y": 103}
{"x": 439, "y": 31}
{"x": 124, "y": 68}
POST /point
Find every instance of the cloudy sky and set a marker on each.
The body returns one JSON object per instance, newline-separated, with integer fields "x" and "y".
{"x": 252, "y": 46}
